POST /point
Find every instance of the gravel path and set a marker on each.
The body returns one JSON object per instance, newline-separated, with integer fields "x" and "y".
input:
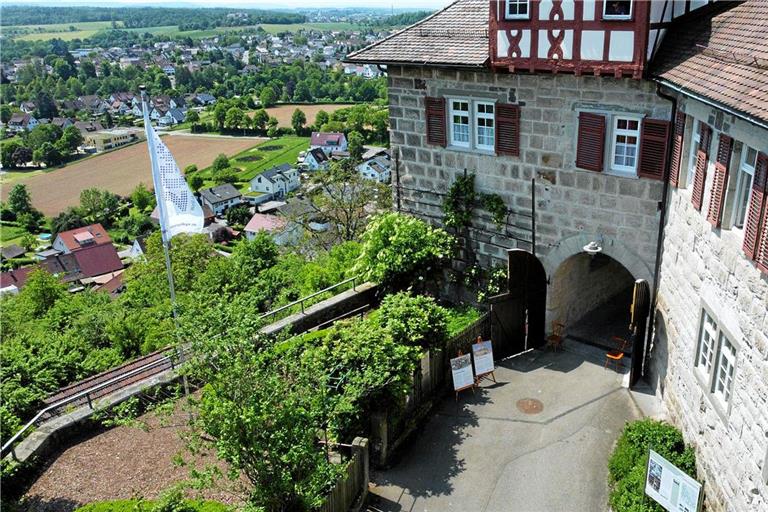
{"x": 120, "y": 463}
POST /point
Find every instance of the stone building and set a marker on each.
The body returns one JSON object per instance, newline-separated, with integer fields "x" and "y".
{"x": 575, "y": 115}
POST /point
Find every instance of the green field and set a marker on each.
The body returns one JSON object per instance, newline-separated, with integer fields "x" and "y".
{"x": 88, "y": 29}
{"x": 58, "y": 30}
{"x": 267, "y": 154}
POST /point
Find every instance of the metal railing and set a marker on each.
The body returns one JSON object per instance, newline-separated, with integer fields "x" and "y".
{"x": 301, "y": 302}
{"x": 92, "y": 393}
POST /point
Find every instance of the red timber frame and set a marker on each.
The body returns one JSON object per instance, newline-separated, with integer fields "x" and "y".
{"x": 639, "y": 24}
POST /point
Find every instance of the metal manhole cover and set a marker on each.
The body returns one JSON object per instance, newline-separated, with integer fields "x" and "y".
{"x": 530, "y": 406}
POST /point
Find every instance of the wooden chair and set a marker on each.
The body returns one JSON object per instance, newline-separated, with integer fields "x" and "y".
{"x": 617, "y": 354}
{"x": 555, "y": 340}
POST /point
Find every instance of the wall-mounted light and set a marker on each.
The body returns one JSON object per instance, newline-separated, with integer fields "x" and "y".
{"x": 593, "y": 248}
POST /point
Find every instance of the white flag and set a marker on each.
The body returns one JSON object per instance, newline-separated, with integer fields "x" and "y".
{"x": 179, "y": 210}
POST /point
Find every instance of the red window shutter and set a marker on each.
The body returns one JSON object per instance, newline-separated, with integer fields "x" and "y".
{"x": 507, "y": 129}
{"x": 755, "y": 225}
{"x": 654, "y": 138}
{"x": 700, "y": 178}
{"x": 761, "y": 258}
{"x": 591, "y": 142}
{"x": 677, "y": 149}
{"x": 720, "y": 181}
{"x": 436, "y": 126}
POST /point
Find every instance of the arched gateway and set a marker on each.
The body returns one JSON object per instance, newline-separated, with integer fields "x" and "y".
{"x": 596, "y": 296}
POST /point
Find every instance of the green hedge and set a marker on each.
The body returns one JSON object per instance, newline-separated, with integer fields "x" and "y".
{"x": 154, "y": 506}
{"x": 627, "y": 465}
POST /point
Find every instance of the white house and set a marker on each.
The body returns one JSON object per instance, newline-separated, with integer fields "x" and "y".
{"x": 22, "y": 122}
{"x": 328, "y": 141}
{"x": 377, "y": 168}
{"x": 277, "y": 181}
{"x": 316, "y": 159}
{"x": 276, "y": 226}
{"x": 218, "y": 199}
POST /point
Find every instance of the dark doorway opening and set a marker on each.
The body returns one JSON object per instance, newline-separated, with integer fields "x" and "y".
{"x": 518, "y": 316}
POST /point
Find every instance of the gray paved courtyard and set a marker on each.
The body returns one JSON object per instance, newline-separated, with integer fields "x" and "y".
{"x": 485, "y": 455}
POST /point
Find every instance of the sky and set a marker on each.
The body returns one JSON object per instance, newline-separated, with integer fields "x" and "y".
{"x": 254, "y": 4}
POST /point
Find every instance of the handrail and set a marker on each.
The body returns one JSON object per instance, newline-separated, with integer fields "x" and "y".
{"x": 312, "y": 296}
{"x": 86, "y": 394}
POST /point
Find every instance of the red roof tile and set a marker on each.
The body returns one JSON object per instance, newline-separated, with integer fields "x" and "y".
{"x": 98, "y": 260}
{"x": 721, "y": 55}
{"x": 457, "y": 35}
{"x": 263, "y": 222}
{"x": 325, "y": 138}
{"x": 98, "y": 233}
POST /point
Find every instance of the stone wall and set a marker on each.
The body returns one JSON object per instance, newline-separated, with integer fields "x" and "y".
{"x": 570, "y": 201}
{"x": 580, "y": 283}
{"x": 704, "y": 267}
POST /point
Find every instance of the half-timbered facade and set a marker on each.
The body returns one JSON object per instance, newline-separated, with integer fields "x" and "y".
{"x": 638, "y": 127}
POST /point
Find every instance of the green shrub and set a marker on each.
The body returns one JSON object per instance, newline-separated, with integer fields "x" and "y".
{"x": 414, "y": 320}
{"x": 459, "y": 318}
{"x": 399, "y": 248}
{"x": 627, "y": 465}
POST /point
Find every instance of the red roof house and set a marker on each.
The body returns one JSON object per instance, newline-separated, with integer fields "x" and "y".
{"x": 81, "y": 238}
{"x": 328, "y": 141}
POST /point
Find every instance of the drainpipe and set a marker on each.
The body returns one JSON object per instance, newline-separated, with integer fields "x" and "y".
{"x": 662, "y": 221}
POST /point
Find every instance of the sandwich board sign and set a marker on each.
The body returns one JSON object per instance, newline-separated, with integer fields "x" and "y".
{"x": 670, "y": 487}
{"x": 482, "y": 353}
{"x": 461, "y": 370}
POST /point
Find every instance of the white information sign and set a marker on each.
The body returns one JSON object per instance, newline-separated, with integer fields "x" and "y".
{"x": 670, "y": 487}
{"x": 483, "y": 355}
{"x": 461, "y": 368}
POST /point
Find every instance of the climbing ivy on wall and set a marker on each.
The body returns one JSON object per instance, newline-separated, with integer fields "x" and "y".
{"x": 462, "y": 198}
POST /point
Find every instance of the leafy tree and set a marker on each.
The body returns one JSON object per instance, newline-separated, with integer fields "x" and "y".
{"x": 220, "y": 162}
{"x": 190, "y": 169}
{"x": 49, "y": 154}
{"x": 238, "y": 215}
{"x": 193, "y": 117}
{"x": 66, "y": 220}
{"x": 43, "y": 133}
{"x": 234, "y": 118}
{"x": 19, "y": 200}
{"x": 142, "y": 197}
{"x": 272, "y": 127}
{"x": 298, "y": 120}
{"x": 344, "y": 198}
{"x": 228, "y": 175}
{"x": 356, "y": 146}
{"x": 5, "y": 114}
{"x": 40, "y": 293}
{"x": 398, "y": 248}
{"x": 99, "y": 205}
{"x": 321, "y": 118}
{"x": 46, "y": 107}
{"x": 196, "y": 182}
{"x": 21, "y": 156}
{"x": 260, "y": 120}
{"x": 220, "y": 114}
{"x": 6, "y": 153}
{"x": 71, "y": 138}
{"x": 30, "y": 220}
{"x": 267, "y": 97}
{"x": 107, "y": 120}
{"x": 136, "y": 224}
{"x": 28, "y": 241}
{"x": 62, "y": 68}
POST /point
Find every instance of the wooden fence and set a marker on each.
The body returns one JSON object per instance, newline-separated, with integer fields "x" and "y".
{"x": 351, "y": 489}
{"x": 430, "y": 381}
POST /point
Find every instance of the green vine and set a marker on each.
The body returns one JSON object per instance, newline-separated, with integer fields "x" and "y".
{"x": 459, "y": 202}
{"x": 494, "y": 204}
{"x": 462, "y": 198}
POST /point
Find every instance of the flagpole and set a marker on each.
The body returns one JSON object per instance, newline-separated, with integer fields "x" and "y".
{"x": 163, "y": 222}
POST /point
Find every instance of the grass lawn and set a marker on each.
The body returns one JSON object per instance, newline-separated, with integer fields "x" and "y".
{"x": 10, "y": 234}
{"x": 255, "y": 160}
{"x": 60, "y": 30}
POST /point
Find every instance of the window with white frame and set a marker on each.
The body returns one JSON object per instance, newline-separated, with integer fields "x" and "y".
{"x": 617, "y": 9}
{"x": 626, "y": 137}
{"x": 695, "y": 141}
{"x": 485, "y": 125}
{"x": 517, "y": 9}
{"x": 744, "y": 185}
{"x": 460, "y": 123}
{"x": 706, "y": 350}
{"x": 726, "y": 367}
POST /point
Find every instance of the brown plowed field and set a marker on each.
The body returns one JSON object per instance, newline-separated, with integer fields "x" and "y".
{"x": 121, "y": 170}
{"x": 283, "y": 113}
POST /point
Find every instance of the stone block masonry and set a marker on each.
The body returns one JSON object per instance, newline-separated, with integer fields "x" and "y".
{"x": 570, "y": 201}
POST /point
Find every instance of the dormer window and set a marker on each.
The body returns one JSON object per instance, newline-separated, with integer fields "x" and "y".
{"x": 517, "y": 9}
{"x": 617, "y": 10}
